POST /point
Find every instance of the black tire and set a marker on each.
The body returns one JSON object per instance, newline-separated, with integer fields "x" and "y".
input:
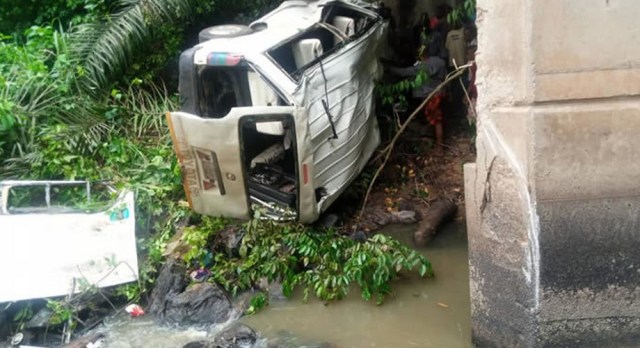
{"x": 223, "y": 31}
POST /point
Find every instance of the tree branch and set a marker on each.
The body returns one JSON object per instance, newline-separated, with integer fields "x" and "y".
{"x": 389, "y": 149}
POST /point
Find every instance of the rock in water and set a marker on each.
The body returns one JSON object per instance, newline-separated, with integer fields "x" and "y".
{"x": 202, "y": 303}
{"x": 273, "y": 288}
{"x": 171, "y": 281}
{"x": 236, "y": 336}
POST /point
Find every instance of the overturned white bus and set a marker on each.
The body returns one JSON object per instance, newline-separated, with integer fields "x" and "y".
{"x": 279, "y": 113}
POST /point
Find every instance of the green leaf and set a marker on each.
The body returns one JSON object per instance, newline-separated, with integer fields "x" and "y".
{"x": 423, "y": 270}
{"x": 366, "y": 294}
{"x": 243, "y": 251}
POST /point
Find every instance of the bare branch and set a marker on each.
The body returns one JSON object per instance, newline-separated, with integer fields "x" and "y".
{"x": 389, "y": 149}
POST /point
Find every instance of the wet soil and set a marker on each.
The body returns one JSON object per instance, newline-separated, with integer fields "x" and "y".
{"x": 419, "y": 173}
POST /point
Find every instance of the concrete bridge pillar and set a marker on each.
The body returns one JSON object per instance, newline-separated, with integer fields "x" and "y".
{"x": 553, "y": 200}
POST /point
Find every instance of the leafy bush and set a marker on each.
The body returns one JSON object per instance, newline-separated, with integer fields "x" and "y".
{"x": 464, "y": 12}
{"x": 324, "y": 264}
{"x": 198, "y": 237}
{"x": 396, "y": 92}
{"x": 17, "y": 15}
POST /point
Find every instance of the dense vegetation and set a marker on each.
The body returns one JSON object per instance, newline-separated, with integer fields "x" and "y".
{"x": 78, "y": 102}
{"x": 83, "y": 88}
{"x": 323, "y": 263}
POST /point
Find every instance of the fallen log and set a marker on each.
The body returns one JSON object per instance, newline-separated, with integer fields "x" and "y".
{"x": 440, "y": 212}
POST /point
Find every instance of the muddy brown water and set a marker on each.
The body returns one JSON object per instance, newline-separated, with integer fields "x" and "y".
{"x": 423, "y": 313}
{"x": 430, "y": 312}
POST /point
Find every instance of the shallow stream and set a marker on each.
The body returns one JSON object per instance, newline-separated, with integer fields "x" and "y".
{"x": 422, "y": 313}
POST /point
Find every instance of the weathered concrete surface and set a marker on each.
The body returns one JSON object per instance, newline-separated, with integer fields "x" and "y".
{"x": 585, "y": 48}
{"x": 553, "y": 200}
{"x": 587, "y": 150}
{"x": 590, "y": 272}
{"x": 498, "y": 253}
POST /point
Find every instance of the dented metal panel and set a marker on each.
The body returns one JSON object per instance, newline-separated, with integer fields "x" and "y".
{"x": 350, "y": 75}
{"x": 50, "y": 251}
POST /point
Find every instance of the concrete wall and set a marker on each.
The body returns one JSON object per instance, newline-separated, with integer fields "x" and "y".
{"x": 553, "y": 200}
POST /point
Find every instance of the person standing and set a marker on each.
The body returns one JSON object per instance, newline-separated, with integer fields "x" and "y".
{"x": 435, "y": 69}
{"x": 457, "y": 46}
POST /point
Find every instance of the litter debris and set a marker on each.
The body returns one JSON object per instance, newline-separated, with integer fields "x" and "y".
{"x": 199, "y": 275}
{"x": 134, "y": 310}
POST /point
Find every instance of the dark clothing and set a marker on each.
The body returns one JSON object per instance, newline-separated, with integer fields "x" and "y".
{"x": 432, "y": 40}
{"x": 473, "y": 91}
{"x": 435, "y": 46}
{"x": 435, "y": 69}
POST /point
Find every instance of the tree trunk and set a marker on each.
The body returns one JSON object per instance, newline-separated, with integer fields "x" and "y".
{"x": 440, "y": 212}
